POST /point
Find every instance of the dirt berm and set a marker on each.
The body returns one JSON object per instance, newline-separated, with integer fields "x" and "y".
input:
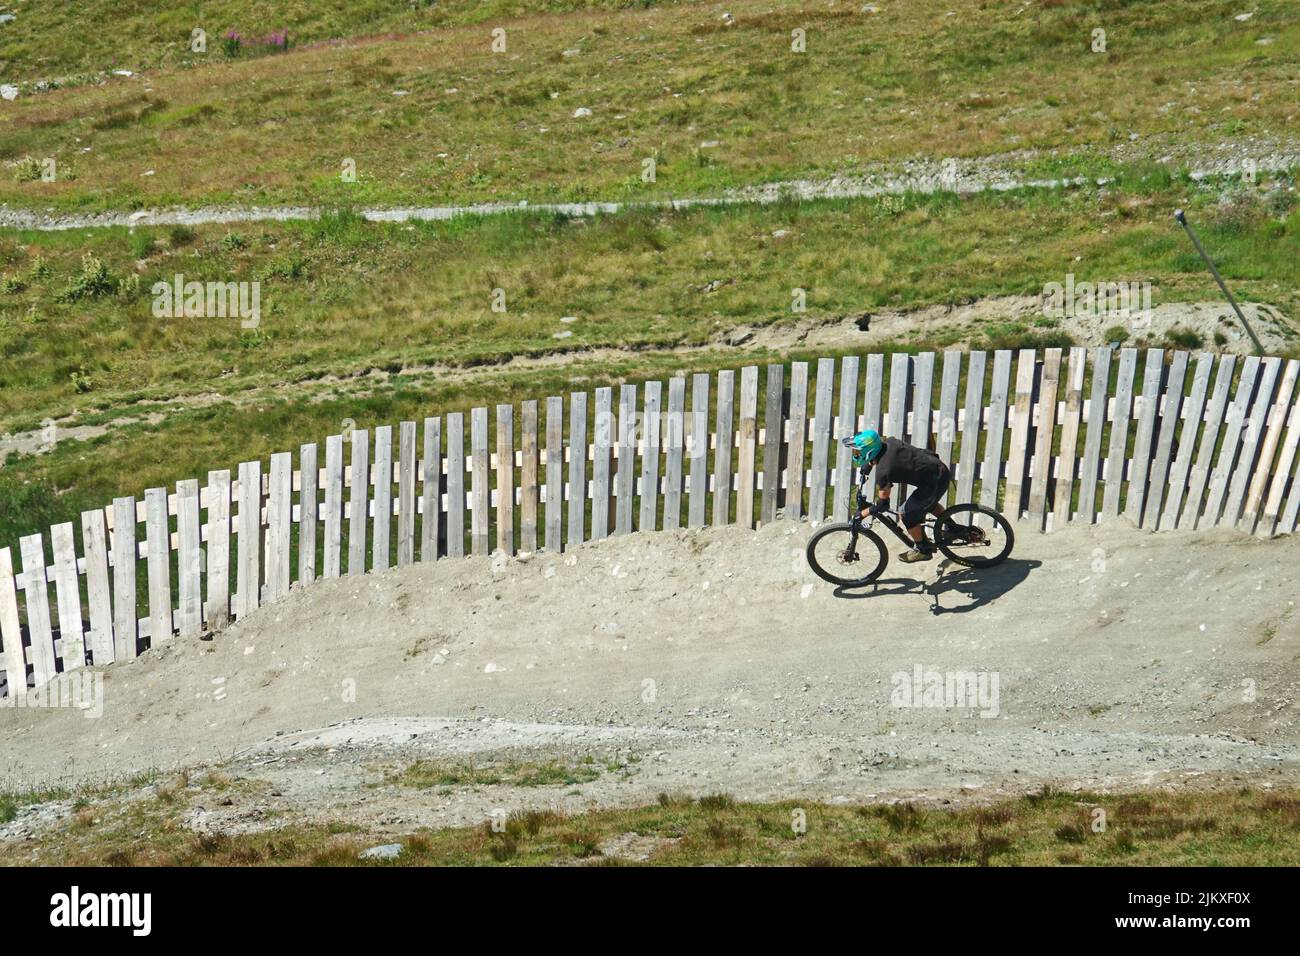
{"x": 712, "y": 660}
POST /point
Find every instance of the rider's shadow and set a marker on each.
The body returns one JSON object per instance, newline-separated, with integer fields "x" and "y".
{"x": 980, "y": 585}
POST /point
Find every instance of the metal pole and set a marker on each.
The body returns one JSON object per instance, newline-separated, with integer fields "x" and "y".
{"x": 1182, "y": 218}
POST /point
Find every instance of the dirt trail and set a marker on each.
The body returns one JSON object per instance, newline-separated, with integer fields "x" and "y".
{"x": 968, "y": 176}
{"x": 709, "y": 661}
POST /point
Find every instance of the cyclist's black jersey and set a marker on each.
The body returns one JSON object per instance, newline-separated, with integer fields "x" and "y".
{"x": 901, "y": 462}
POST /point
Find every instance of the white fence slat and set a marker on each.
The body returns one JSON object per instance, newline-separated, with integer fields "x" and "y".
{"x": 651, "y": 446}
{"x": 1152, "y": 380}
{"x": 554, "y": 539}
{"x": 1191, "y": 512}
{"x": 946, "y": 426}
{"x": 846, "y": 424}
{"x": 1251, "y": 435}
{"x": 1233, "y": 425}
{"x": 896, "y": 414}
{"x": 577, "y": 468}
{"x": 797, "y": 440}
{"x": 999, "y": 388}
{"x": 725, "y": 446}
{"x": 921, "y": 433}
{"x": 406, "y": 468}
{"x": 1021, "y": 422}
{"x": 358, "y": 501}
{"x": 1273, "y": 435}
{"x": 431, "y": 492}
{"x": 480, "y": 483}
{"x": 872, "y": 396}
{"x": 67, "y": 594}
{"x": 698, "y": 450}
{"x": 747, "y": 436}
{"x": 505, "y": 478}
{"x": 676, "y": 440}
{"x": 332, "y": 552}
{"x": 189, "y": 559}
{"x": 216, "y": 610}
{"x": 1186, "y": 441}
{"x": 1164, "y": 443}
{"x": 37, "y": 602}
{"x": 1096, "y": 416}
{"x": 773, "y": 419}
{"x": 600, "y": 466}
{"x": 382, "y": 480}
{"x": 279, "y": 513}
{"x": 971, "y": 425}
{"x": 455, "y": 485}
{"x": 11, "y": 629}
{"x": 625, "y": 478}
{"x": 158, "y": 562}
{"x": 248, "y": 561}
{"x": 99, "y": 595}
{"x": 1044, "y": 436}
{"x": 126, "y": 628}
{"x": 819, "y": 473}
{"x": 1063, "y": 494}
{"x": 528, "y": 487}
{"x": 1118, "y": 450}
{"x": 308, "y": 511}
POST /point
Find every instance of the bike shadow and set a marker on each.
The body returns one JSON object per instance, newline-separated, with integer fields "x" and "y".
{"x": 982, "y": 586}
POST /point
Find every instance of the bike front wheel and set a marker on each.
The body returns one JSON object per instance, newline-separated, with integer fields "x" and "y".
{"x": 845, "y": 557}
{"x": 973, "y": 536}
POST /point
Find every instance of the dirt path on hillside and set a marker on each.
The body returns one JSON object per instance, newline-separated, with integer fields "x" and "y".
{"x": 865, "y": 330}
{"x": 709, "y": 661}
{"x": 967, "y": 176}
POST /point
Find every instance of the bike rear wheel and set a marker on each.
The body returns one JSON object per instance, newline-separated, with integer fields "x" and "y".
{"x": 838, "y": 555}
{"x": 973, "y": 536}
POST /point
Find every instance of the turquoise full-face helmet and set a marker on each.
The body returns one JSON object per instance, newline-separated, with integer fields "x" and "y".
{"x": 867, "y": 446}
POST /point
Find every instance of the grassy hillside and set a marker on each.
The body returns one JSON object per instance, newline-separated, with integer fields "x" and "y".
{"x": 439, "y": 117}
{"x": 71, "y": 41}
{"x": 1246, "y": 828}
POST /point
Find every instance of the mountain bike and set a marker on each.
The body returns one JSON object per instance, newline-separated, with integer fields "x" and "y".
{"x": 850, "y": 553}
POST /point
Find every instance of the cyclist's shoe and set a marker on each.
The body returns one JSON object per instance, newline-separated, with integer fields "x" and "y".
{"x": 923, "y": 551}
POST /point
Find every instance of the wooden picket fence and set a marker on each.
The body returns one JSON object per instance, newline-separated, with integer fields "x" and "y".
{"x": 1171, "y": 441}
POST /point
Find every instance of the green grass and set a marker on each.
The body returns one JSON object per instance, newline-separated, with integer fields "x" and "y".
{"x": 343, "y": 296}
{"x": 661, "y": 79}
{"x": 69, "y": 41}
{"x": 1049, "y": 828}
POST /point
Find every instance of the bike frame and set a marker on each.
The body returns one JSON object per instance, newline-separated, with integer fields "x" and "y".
{"x": 887, "y": 519}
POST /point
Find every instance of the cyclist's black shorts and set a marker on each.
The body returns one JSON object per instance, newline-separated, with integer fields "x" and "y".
{"x": 924, "y": 496}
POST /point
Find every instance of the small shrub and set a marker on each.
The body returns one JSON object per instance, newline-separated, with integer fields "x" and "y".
{"x": 1117, "y": 333}
{"x": 179, "y": 236}
{"x": 93, "y": 282}
{"x": 231, "y": 44}
{"x": 233, "y": 241}
{"x": 28, "y": 169}
{"x": 1184, "y": 339}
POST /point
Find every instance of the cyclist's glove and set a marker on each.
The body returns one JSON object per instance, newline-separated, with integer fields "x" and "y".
{"x": 880, "y": 507}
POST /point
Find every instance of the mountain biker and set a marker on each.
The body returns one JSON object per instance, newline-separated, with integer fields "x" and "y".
{"x": 896, "y": 461}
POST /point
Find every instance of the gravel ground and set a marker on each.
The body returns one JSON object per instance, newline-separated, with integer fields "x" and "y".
{"x": 707, "y": 661}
